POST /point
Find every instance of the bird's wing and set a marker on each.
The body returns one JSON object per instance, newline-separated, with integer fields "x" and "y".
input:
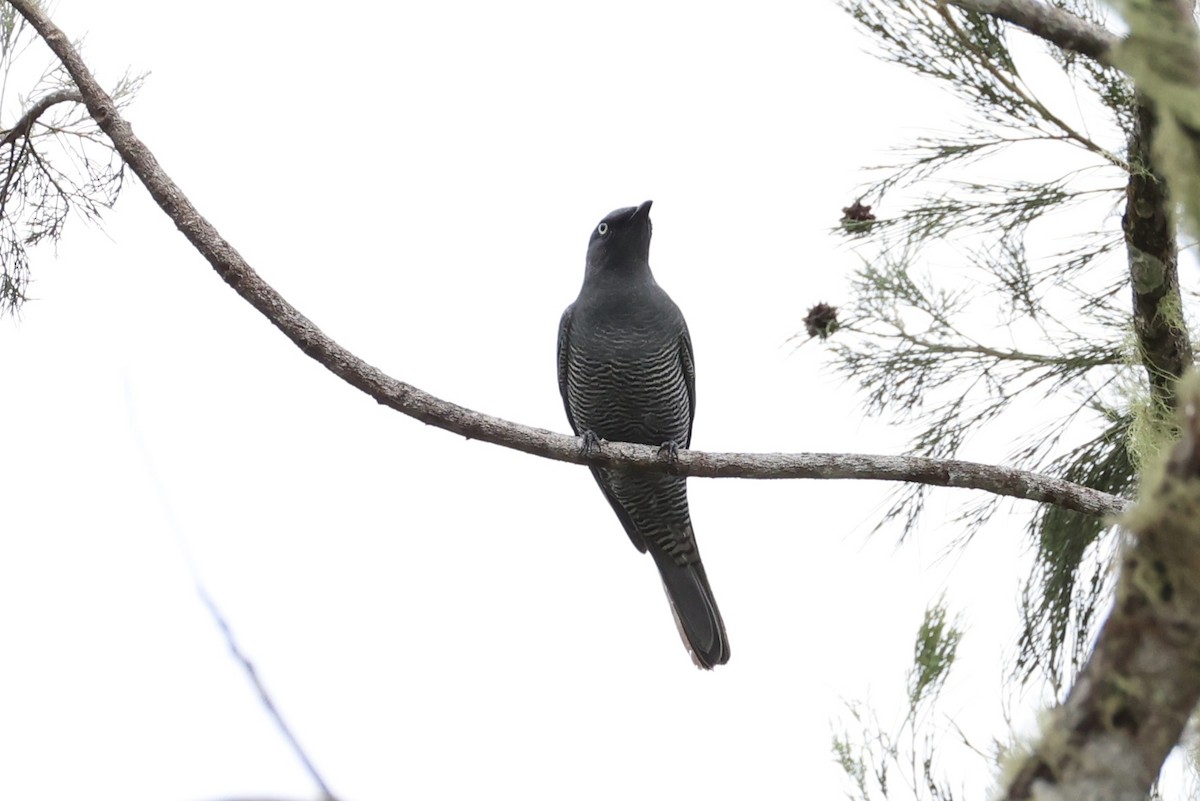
{"x": 603, "y": 478}
{"x": 689, "y": 376}
{"x": 564, "y": 334}
{"x": 564, "y": 367}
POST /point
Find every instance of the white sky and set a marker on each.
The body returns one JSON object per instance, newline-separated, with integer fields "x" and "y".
{"x": 439, "y": 618}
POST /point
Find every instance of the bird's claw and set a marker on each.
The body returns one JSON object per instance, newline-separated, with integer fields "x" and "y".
{"x": 669, "y": 451}
{"x": 591, "y": 443}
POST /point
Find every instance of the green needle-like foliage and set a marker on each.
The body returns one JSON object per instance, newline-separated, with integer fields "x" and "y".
{"x": 981, "y": 299}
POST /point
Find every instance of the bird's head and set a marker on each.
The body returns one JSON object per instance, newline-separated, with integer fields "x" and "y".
{"x": 622, "y": 239}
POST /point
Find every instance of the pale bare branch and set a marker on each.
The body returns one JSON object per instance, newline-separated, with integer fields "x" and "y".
{"x": 31, "y": 115}
{"x": 1055, "y": 25}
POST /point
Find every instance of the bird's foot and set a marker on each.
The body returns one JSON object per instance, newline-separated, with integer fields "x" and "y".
{"x": 669, "y": 452}
{"x": 591, "y": 443}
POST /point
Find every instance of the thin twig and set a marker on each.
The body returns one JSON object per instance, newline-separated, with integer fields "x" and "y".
{"x": 263, "y": 695}
{"x": 25, "y": 123}
{"x": 977, "y": 349}
{"x": 209, "y": 604}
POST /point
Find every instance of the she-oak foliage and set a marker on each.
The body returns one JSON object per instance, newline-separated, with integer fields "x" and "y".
{"x": 53, "y": 160}
{"x": 1043, "y": 248}
{"x": 1099, "y": 321}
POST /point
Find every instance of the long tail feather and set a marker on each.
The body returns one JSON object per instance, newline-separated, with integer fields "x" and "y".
{"x": 696, "y": 615}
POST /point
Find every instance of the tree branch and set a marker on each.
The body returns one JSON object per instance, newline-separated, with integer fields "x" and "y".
{"x": 1162, "y": 55}
{"x": 25, "y": 123}
{"x": 976, "y": 349}
{"x": 1055, "y": 25}
{"x": 1164, "y": 346}
{"x": 468, "y": 423}
{"x": 1130, "y": 704}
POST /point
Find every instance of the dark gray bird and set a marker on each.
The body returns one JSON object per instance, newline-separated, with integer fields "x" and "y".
{"x": 625, "y": 372}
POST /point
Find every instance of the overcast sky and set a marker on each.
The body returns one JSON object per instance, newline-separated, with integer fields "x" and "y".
{"x": 440, "y": 618}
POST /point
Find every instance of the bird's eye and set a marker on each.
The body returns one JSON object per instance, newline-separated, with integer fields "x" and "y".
{"x": 602, "y": 229}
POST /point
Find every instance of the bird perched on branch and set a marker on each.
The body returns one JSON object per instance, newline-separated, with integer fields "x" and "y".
{"x": 626, "y": 374}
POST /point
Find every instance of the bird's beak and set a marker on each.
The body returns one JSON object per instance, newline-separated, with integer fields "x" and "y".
{"x": 642, "y": 210}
